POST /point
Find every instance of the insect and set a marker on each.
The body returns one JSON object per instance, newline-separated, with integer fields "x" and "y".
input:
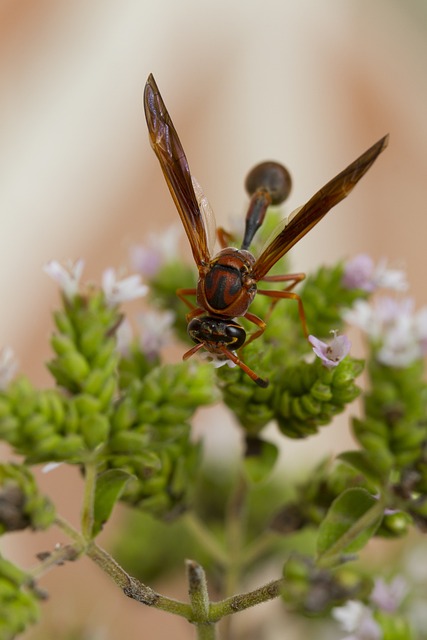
{"x": 227, "y": 282}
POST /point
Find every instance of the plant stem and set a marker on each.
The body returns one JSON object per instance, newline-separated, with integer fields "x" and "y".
{"x": 245, "y": 600}
{"x": 89, "y": 499}
{"x": 135, "y": 589}
{"x": 199, "y": 599}
{"x": 206, "y": 539}
{"x": 234, "y": 536}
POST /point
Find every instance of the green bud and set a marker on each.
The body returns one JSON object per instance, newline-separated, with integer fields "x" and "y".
{"x": 310, "y": 406}
{"x": 148, "y": 412}
{"x": 75, "y": 366}
{"x": 91, "y": 339}
{"x": 70, "y": 447}
{"x": 86, "y": 404}
{"x": 396, "y": 524}
{"x": 95, "y": 382}
{"x": 95, "y": 429}
{"x": 124, "y": 416}
{"x": 36, "y": 427}
{"x": 107, "y": 393}
{"x": 52, "y": 406}
{"x": 128, "y": 442}
{"x": 62, "y": 344}
{"x": 46, "y": 449}
{"x": 64, "y": 324}
{"x": 321, "y": 391}
{"x": 106, "y": 357}
{"x": 173, "y": 414}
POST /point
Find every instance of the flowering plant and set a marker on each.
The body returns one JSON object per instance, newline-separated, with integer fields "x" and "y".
{"x": 122, "y": 415}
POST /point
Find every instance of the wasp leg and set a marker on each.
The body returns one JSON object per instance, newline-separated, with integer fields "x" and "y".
{"x": 261, "y": 382}
{"x": 182, "y": 295}
{"x": 259, "y": 323}
{"x": 290, "y": 295}
{"x": 225, "y": 238}
{"x": 192, "y": 351}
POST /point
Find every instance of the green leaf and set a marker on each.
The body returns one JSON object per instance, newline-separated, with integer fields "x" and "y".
{"x": 351, "y": 521}
{"x": 375, "y": 466}
{"x": 109, "y": 488}
{"x": 260, "y": 458}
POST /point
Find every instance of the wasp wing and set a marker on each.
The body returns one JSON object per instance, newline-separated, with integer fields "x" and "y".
{"x": 309, "y": 215}
{"x": 167, "y": 147}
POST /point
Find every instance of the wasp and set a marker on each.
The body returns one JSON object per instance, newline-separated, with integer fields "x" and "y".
{"x": 228, "y": 281}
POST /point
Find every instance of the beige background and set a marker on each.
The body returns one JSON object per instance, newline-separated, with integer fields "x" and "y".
{"x": 310, "y": 83}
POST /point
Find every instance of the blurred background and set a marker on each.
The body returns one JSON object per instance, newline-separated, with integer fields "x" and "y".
{"x": 308, "y": 83}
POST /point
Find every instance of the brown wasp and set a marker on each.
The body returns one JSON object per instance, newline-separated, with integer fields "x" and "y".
{"x": 228, "y": 280}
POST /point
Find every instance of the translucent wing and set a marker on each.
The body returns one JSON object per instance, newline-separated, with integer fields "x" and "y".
{"x": 207, "y": 214}
{"x": 167, "y": 147}
{"x": 301, "y": 221}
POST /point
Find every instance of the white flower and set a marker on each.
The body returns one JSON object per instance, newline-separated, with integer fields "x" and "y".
{"x": 400, "y": 334}
{"x": 118, "y": 291}
{"x": 333, "y": 352}
{"x": 156, "y": 330}
{"x": 67, "y": 276}
{"x": 8, "y": 366}
{"x": 361, "y": 273}
{"x": 385, "y": 278}
{"x": 217, "y": 360}
{"x": 160, "y": 248}
{"x": 357, "y": 618}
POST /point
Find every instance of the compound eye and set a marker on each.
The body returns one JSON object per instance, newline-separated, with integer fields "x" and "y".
{"x": 237, "y": 335}
{"x": 194, "y": 330}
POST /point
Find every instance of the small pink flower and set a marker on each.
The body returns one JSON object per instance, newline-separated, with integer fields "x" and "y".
{"x": 156, "y": 331}
{"x": 118, "y": 291}
{"x": 67, "y": 276}
{"x": 358, "y": 273}
{"x": 148, "y": 259}
{"x": 389, "y": 596}
{"x": 361, "y": 273}
{"x": 333, "y": 352}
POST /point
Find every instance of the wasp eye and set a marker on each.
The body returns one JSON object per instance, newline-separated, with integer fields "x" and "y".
{"x": 271, "y": 176}
{"x": 237, "y": 335}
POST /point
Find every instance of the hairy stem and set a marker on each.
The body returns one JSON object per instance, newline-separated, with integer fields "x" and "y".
{"x": 199, "y": 599}
{"x": 245, "y": 600}
{"x": 89, "y": 499}
{"x": 135, "y": 589}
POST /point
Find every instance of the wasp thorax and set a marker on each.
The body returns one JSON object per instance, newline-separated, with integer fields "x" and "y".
{"x": 227, "y": 288}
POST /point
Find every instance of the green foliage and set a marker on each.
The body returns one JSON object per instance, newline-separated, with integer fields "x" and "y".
{"x": 124, "y": 417}
{"x": 313, "y": 591}
{"x": 18, "y": 601}
{"x": 21, "y": 504}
